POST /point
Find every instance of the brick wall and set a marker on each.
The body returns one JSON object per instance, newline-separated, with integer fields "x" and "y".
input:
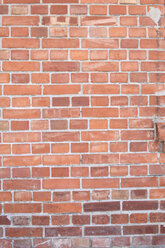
{"x": 82, "y": 132}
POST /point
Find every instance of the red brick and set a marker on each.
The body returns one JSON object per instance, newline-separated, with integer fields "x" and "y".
{"x": 22, "y": 184}
{"x": 98, "y": 9}
{"x": 137, "y": 55}
{"x": 97, "y": 158}
{"x": 139, "y": 182}
{"x": 100, "y": 112}
{"x": 119, "y": 218}
{"x": 4, "y": 55}
{"x": 60, "y": 78}
{"x": 100, "y": 66}
{"x": 19, "y": 125}
{"x": 61, "y": 90}
{"x": 3, "y": 9}
{"x": 59, "y": 125}
{"x": 100, "y": 89}
{"x": 129, "y": 66}
{"x": 140, "y": 205}
{"x": 22, "y": 161}
{"x": 139, "y": 194}
{"x": 134, "y": 135}
{"x": 61, "y": 66}
{"x": 19, "y": 10}
{"x": 59, "y": 21}
{"x": 119, "y": 77}
{"x": 117, "y": 10}
{"x": 118, "y": 146}
{"x": 79, "y": 147}
{"x": 104, "y": 206}
{"x": 22, "y": 196}
{"x": 4, "y": 78}
{"x": 21, "y": 220}
{"x": 78, "y": 32}
{"x": 76, "y": 90}
{"x": 21, "y": 1}
{"x": 118, "y": 55}
{"x": 102, "y": 230}
{"x": 99, "y": 101}
{"x": 99, "y": 171}
{"x": 98, "y": 32}
{"x": 97, "y": 20}
{"x": 22, "y": 208}
{"x": 138, "y": 170}
{"x": 138, "y": 218}
{"x": 58, "y": 9}
{"x": 20, "y": 78}
{"x": 100, "y": 219}
{"x": 5, "y": 196}
{"x": 158, "y": 240}
{"x": 40, "y": 220}
{"x": 137, "y": 10}
{"x": 98, "y": 124}
{"x": 81, "y": 219}
{"x": 81, "y": 242}
{"x": 61, "y": 196}
{"x": 19, "y": 55}
{"x": 137, "y": 32}
{"x": 99, "y": 147}
{"x": 20, "y": 20}
{"x": 117, "y": 32}
{"x": 60, "y": 220}
{"x": 81, "y": 195}
{"x": 60, "y": 172}
{"x": 61, "y": 113}
{"x": 79, "y": 77}
{"x": 61, "y": 183}
{"x": 63, "y": 231}
{"x": 118, "y": 171}
{"x": 101, "y": 242}
{"x": 145, "y": 229}
{"x": 40, "y": 101}
{"x": 60, "y": 148}
{"x": 21, "y": 148}
{"x": 139, "y": 240}
{"x": 121, "y": 241}
{"x": 58, "y": 55}
{"x": 19, "y": 32}
{"x": 99, "y": 55}
{"x": 128, "y": 43}
{"x": 78, "y": 124}
{"x": 78, "y": 9}
{"x": 39, "y": 9}
{"x": 120, "y": 194}
{"x": 128, "y": 21}
{"x": 80, "y": 101}
{"x": 19, "y": 66}
{"x": 21, "y": 113}
{"x": 99, "y": 77}
{"x": 5, "y": 243}
{"x": 138, "y": 146}
{"x": 100, "y": 43}
{"x": 24, "y": 232}
{"x": 60, "y": 43}
{"x": 39, "y": 55}
{"x": 62, "y": 208}
{"x": 100, "y": 183}
{"x": 4, "y": 32}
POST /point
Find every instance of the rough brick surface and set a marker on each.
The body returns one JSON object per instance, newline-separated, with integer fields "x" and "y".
{"x": 82, "y": 142}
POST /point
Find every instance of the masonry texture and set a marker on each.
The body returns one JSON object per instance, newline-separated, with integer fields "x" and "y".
{"x": 82, "y": 98}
